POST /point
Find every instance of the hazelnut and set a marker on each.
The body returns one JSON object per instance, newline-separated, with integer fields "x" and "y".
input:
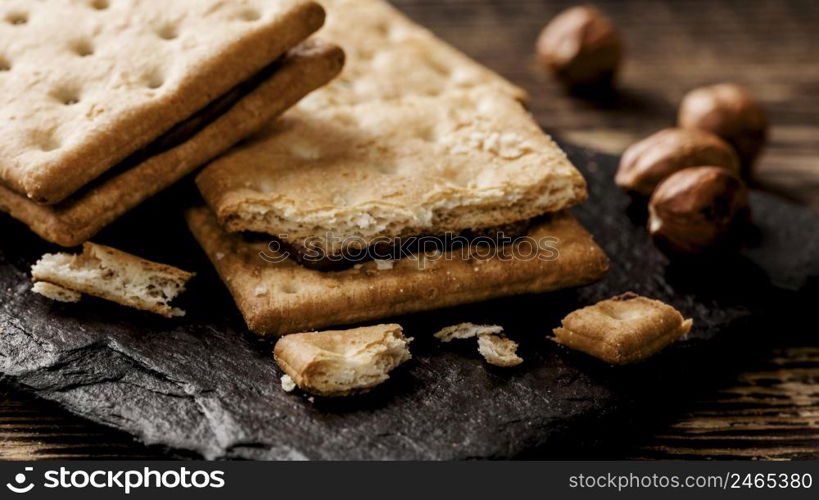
{"x": 581, "y": 47}
{"x": 730, "y": 112}
{"x": 646, "y": 163}
{"x": 698, "y": 209}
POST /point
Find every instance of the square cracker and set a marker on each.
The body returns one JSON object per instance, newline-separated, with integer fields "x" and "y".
{"x": 623, "y": 329}
{"x": 452, "y": 151}
{"x": 277, "y": 296}
{"x": 84, "y": 84}
{"x": 81, "y": 216}
{"x": 391, "y": 168}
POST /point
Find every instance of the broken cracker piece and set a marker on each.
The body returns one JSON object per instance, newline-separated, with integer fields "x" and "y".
{"x": 443, "y": 164}
{"x": 342, "y": 362}
{"x": 466, "y": 331}
{"x": 499, "y": 351}
{"x": 113, "y": 275}
{"x": 623, "y": 329}
{"x": 55, "y": 292}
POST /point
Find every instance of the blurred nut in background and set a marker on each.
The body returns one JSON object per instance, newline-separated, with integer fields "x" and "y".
{"x": 646, "y": 163}
{"x": 581, "y": 47}
{"x": 698, "y": 209}
{"x": 730, "y": 112}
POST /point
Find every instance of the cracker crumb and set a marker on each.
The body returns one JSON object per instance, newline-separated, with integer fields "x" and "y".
{"x": 464, "y": 76}
{"x": 311, "y": 399}
{"x": 383, "y": 265}
{"x": 466, "y": 331}
{"x": 260, "y": 290}
{"x": 499, "y": 351}
{"x": 509, "y": 146}
{"x": 305, "y": 151}
{"x": 220, "y": 255}
{"x": 287, "y": 383}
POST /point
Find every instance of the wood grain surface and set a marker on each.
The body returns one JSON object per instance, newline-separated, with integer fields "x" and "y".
{"x": 770, "y": 411}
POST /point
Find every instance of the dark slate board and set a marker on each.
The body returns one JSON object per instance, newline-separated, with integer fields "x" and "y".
{"x": 204, "y": 385}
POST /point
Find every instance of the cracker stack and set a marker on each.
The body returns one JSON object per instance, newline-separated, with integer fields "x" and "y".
{"x": 106, "y": 103}
{"x": 413, "y": 138}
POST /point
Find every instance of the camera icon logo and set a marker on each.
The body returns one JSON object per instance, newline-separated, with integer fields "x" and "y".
{"x": 20, "y": 479}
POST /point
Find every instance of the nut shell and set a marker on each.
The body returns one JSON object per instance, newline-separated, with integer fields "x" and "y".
{"x": 581, "y": 46}
{"x": 698, "y": 209}
{"x": 647, "y": 163}
{"x": 730, "y": 112}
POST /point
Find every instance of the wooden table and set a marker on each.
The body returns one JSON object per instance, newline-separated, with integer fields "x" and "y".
{"x": 770, "y": 411}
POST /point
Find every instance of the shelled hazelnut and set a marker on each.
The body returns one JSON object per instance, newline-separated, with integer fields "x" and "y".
{"x": 581, "y": 46}
{"x": 646, "y": 163}
{"x": 698, "y": 209}
{"x": 730, "y": 112}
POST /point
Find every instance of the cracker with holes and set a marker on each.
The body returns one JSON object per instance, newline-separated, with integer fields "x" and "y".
{"x": 116, "y": 101}
{"x": 82, "y": 215}
{"x": 469, "y": 160}
{"x": 624, "y": 329}
{"x": 457, "y": 155}
{"x": 110, "y": 274}
{"x": 276, "y": 295}
{"x": 390, "y": 57}
{"x": 341, "y": 362}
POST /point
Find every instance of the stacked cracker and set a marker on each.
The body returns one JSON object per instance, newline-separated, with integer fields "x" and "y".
{"x": 106, "y": 103}
{"x": 413, "y": 138}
